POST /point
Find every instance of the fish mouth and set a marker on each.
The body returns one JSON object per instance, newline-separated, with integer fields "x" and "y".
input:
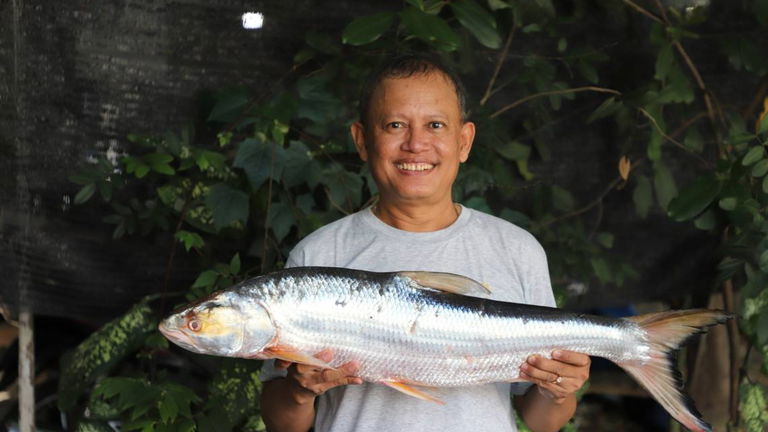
{"x": 178, "y": 337}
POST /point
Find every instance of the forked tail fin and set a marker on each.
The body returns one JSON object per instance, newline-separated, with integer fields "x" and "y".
{"x": 665, "y": 332}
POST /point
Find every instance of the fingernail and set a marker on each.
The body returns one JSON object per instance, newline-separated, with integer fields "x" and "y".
{"x": 557, "y": 354}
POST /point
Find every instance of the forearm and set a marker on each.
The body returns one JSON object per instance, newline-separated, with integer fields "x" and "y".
{"x": 544, "y": 414}
{"x": 282, "y": 410}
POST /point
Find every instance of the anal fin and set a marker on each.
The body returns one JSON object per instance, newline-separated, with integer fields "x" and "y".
{"x": 411, "y": 391}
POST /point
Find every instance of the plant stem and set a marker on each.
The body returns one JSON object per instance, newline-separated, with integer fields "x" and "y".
{"x": 172, "y": 252}
{"x": 502, "y": 59}
{"x": 552, "y": 93}
{"x": 733, "y": 342}
{"x": 266, "y": 215}
{"x": 645, "y": 12}
{"x": 672, "y": 140}
{"x": 595, "y": 202}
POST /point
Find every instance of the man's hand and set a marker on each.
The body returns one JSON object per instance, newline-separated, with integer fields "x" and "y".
{"x": 559, "y": 377}
{"x": 307, "y": 382}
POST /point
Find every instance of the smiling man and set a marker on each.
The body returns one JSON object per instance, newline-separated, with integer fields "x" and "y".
{"x": 414, "y": 134}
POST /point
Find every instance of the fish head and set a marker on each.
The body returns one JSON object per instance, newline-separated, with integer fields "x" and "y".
{"x": 224, "y": 324}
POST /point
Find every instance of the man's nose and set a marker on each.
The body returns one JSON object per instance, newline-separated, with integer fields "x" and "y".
{"x": 416, "y": 141}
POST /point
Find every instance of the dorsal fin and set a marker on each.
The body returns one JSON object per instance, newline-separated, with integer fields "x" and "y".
{"x": 447, "y": 282}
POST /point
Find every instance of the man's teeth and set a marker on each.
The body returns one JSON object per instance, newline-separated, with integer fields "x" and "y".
{"x": 415, "y": 166}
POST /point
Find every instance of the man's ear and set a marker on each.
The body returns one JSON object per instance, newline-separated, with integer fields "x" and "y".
{"x": 358, "y": 136}
{"x": 466, "y": 138}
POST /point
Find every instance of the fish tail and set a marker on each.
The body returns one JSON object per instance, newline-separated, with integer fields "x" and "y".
{"x": 665, "y": 332}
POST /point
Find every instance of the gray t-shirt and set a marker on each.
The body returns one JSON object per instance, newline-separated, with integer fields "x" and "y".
{"x": 476, "y": 245}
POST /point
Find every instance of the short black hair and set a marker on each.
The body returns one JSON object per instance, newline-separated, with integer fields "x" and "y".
{"x": 405, "y": 66}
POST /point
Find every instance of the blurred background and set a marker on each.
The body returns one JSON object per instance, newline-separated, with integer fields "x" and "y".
{"x": 154, "y": 151}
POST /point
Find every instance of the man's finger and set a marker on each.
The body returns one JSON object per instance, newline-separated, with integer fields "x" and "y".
{"x": 571, "y": 357}
{"x": 282, "y": 364}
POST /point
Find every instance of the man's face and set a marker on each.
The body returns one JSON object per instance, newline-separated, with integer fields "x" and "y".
{"x": 415, "y": 138}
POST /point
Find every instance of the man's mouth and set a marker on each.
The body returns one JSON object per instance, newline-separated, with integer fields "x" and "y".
{"x": 417, "y": 166}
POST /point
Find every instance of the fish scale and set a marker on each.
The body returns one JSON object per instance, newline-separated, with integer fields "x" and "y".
{"x": 438, "y": 339}
{"x": 407, "y": 329}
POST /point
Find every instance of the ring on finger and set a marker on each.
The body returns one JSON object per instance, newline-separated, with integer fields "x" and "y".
{"x": 558, "y": 380}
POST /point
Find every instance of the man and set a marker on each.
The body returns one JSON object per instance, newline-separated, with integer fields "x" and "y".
{"x": 414, "y": 134}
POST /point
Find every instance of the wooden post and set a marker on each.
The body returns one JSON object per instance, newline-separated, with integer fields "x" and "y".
{"x": 26, "y": 370}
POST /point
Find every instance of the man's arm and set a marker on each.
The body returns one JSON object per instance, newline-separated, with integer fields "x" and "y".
{"x": 288, "y": 404}
{"x": 549, "y": 406}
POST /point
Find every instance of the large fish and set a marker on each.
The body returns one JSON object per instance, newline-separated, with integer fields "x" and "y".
{"x": 409, "y": 329}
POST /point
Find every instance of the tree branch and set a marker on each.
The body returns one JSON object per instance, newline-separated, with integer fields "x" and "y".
{"x": 502, "y": 59}
{"x": 596, "y": 202}
{"x": 552, "y": 93}
{"x": 645, "y": 12}
{"x": 670, "y": 139}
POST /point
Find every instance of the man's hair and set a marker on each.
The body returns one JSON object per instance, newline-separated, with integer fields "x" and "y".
{"x": 406, "y": 66}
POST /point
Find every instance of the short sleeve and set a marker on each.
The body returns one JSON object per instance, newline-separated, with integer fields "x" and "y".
{"x": 536, "y": 283}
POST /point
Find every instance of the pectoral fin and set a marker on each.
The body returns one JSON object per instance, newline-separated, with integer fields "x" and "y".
{"x": 448, "y": 282}
{"x": 288, "y": 353}
{"x": 411, "y": 391}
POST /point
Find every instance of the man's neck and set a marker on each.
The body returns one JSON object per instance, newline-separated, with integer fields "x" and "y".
{"x": 417, "y": 218}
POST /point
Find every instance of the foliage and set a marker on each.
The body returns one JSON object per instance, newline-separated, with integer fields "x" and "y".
{"x": 262, "y": 172}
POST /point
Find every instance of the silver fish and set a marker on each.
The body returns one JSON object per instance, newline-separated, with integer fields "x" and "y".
{"x": 409, "y": 329}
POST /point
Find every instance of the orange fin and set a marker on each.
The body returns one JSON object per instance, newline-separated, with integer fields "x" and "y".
{"x": 665, "y": 331}
{"x": 411, "y": 391}
{"x": 284, "y": 352}
{"x": 448, "y": 282}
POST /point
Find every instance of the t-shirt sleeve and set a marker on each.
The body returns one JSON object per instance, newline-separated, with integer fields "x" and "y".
{"x": 536, "y": 283}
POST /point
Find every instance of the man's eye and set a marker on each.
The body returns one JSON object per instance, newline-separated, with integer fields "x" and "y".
{"x": 395, "y": 125}
{"x": 436, "y": 125}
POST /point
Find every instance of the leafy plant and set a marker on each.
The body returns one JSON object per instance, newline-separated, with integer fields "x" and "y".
{"x": 261, "y": 173}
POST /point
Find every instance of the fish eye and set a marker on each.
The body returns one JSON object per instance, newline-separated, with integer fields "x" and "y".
{"x": 195, "y": 325}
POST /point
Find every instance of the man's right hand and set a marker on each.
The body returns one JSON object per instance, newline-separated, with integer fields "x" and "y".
{"x": 307, "y": 382}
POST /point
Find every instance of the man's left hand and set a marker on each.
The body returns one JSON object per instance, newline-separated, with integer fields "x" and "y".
{"x": 559, "y": 377}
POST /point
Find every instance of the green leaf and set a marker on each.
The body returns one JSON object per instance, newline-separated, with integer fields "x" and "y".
{"x": 562, "y": 45}
{"x": 605, "y": 239}
{"x": 693, "y": 140}
{"x": 765, "y": 185}
{"x": 281, "y": 219}
{"x": 344, "y": 188}
{"x": 478, "y": 21}
{"x": 666, "y": 189}
{"x": 235, "y": 388}
{"x": 728, "y": 203}
{"x": 364, "y": 30}
{"x": 762, "y": 127}
{"x": 168, "y": 409}
{"x": 642, "y": 196}
{"x": 498, "y": 4}
{"x": 513, "y": 150}
{"x": 228, "y": 106}
{"x": 562, "y": 199}
{"x": 206, "y": 279}
{"x": 608, "y": 107}
{"x": 707, "y": 221}
{"x": 234, "y": 264}
{"x": 762, "y": 329}
{"x": 85, "y": 193}
{"x": 695, "y": 198}
{"x": 300, "y": 167}
{"x": 431, "y": 29}
{"x": 602, "y": 269}
{"x": 259, "y": 160}
{"x": 101, "y": 351}
{"x": 190, "y": 239}
{"x": 753, "y": 401}
{"x": 664, "y": 62}
{"x": 754, "y": 154}
{"x": 323, "y": 42}
{"x": 227, "y": 205}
